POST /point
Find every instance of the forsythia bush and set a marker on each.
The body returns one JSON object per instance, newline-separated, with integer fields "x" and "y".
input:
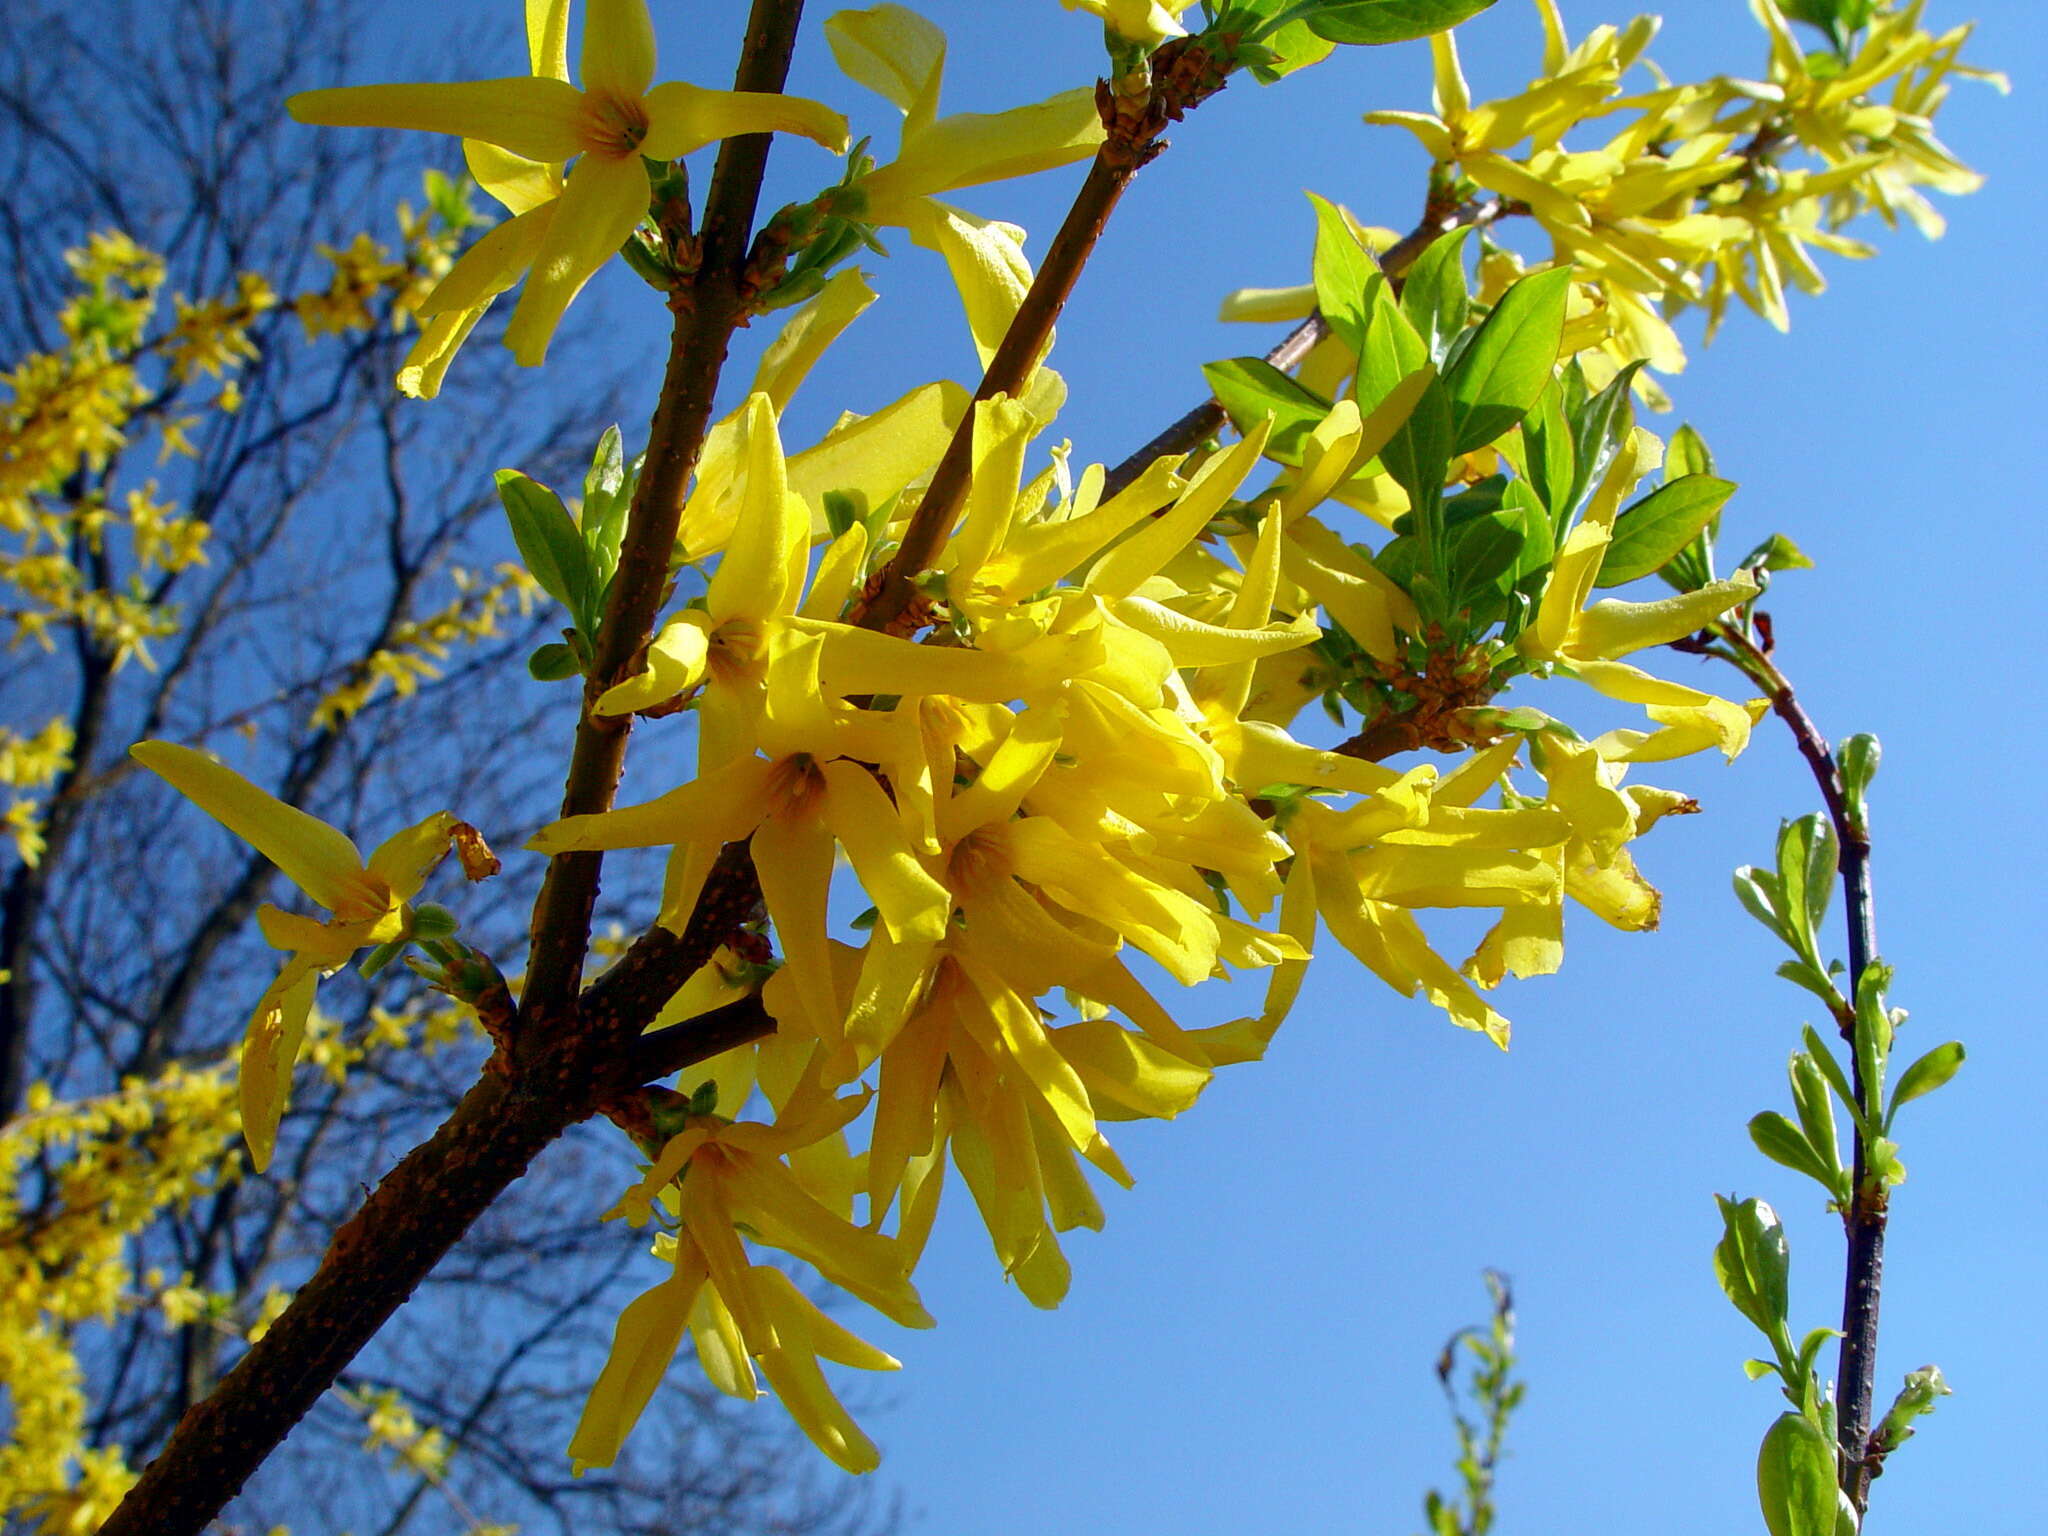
{"x": 1075, "y": 737}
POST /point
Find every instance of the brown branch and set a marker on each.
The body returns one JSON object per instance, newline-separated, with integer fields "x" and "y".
{"x": 1863, "y": 1223}
{"x": 1183, "y": 75}
{"x": 566, "y": 1058}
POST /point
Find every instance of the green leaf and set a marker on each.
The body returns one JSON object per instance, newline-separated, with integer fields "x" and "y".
{"x": 1294, "y": 45}
{"x": 1389, "y": 21}
{"x": 1817, "y": 1115}
{"x": 1753, "y": 1263}
{"x": 1551, "y": 457}
{"x": 1757, "y": 890}
{"x": 1418, "y": 456}
{"x": 1250, "y": 389}
{"x": 1831, "y": 1069}
{"x": 1433, "y": 294}
{"x": 1598, "y": 427}
{"x": 1806, "y": 880}
{"x": 1881, "y": 1161}
{"x": 1651, "y": 530}
{"x": 1857, "y": 757}
{"x": 549, "y": 542}
{"x": 1795, "y": 1478}
{"x": 607, "y": 491}
{"x": 1344, "y": 271}
{"x": 1813, "y": 979}
{"x": 1873, "y": 1042}
{"x": 1783, "y": 1142}
{"x": 1687, "y": 454}
{"x": 1777, "y": 553}
{"x": 1918, "y": 1396}
{"x": 842, "y": 510}
{"x": 1810, "y": 1348}
{"x": 553, "y": 662}
{"x": 1927, "y": 1074}
{"x": 1506, "y": 366}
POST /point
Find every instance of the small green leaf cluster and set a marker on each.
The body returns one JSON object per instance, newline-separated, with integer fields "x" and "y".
{"x": 1495, "y": 1395}
{"x": 572, "y": 558}
{"x": 1497, "y": 448}
{"x": 1791, "y": 901}
{"x": 1795, "y": 1471}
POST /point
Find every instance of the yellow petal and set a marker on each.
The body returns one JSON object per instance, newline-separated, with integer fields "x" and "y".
{"x": 1002, "y": 435}
{"x": 753, "y": 579}
{"x": 1041, "y": 553}
{"x": 618, "y": 51}
{"x": 864, "y": 1263}
{"x": 891, "y": 50}
{"x": 675, "y": 664}
{"x": 794, "y": 860}
{"x": 912, "y": 904}
{"x": 985, "y": 258}
{"x": 315, "y": 857}
{"x": 1127, "y": 1075}
{"x": 1010, "y": 1031}
{"x": 874, "y": 457}
{"x": 1613, "y": 628}
{"x": 808, "y": 332}
{"x": 493, "y": 265}
{"x": 971, "y": 148}
{"x": 720, "y": 1350}
{"x": 547, "y": 37}
{"x": 1527, "y": 941}
{"x": 1124, "y": 569}
{"x": 1577, "y": 786}
{"x": 721, "y": 807}
{"x": 405, "y": 859}
{"x": 426, "y": 365}
{"x": 602, "y": 202}
{"x": 683, "y": 118}
{"x": 1192, "y": 643}
{"x": 270, "y": 1049}
{"x": 538, "y": 118}
{"x": 642, "y": 1345}
{"x": 792, "y": 1369}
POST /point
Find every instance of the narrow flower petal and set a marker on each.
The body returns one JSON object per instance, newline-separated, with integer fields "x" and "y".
{"x": 270, "y": 1049}
{"x": 599, "y": 207}
{"x": 792, "y": 1369}
{"x": 498, "y": 260}
{"x": 794, "y": 860}
{"x": 547, "y": 37}
{"x": 891, "y": 50}
{"x": 320, "y": 861}
{"x": 643, "y": 1344}
{"x": 426, "y": 365}
{"x": 752, "y": 581}
{"x": 522, "y": 185}
{"x": 618, "y": 49}
{"x": 720, "y": 807}
{"x": 539, "y": 118}
{"x": 682, "y": 118}
{"x": 675, "y": 663}
{"x": 912, "y": 904}
{"x": 405, "y": 859}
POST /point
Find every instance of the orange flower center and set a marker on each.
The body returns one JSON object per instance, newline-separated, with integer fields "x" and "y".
{"x": 613, "y": 126}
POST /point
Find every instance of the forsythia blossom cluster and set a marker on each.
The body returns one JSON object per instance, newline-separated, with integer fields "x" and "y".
{"x": 1075, "y": 777}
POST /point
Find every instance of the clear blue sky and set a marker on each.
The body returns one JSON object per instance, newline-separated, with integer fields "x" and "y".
{"x": 1248, "y": 1346}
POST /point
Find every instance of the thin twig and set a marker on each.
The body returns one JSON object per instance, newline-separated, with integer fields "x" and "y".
{"x": 1864, "y": 1221}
